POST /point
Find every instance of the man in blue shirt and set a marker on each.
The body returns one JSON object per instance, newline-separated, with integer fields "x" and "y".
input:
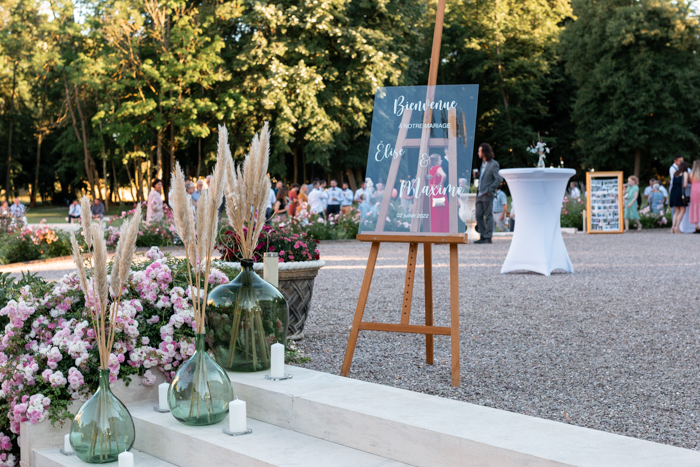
{"x": 17, "y": 210}
{"x": 346, "y": 203}
{"x": 335, "y": 197}
{"x": 500, "y": 206}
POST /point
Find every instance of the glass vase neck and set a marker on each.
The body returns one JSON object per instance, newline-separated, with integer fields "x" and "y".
{"x": 104, "y": 379}
{"x": 247, "y": 264}
{"x": 199, "y": 343}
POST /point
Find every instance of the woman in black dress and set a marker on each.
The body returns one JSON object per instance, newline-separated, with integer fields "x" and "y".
{"x": 281, "y": 204}
{"x": 676, "y": 199}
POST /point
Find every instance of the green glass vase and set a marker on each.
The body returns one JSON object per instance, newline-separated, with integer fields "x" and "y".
{"x": 244, "y": 318}
{"x": 102, "y": 428}
{"x": 201, "y": 390}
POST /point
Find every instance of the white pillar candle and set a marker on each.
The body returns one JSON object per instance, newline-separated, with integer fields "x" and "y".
{"x": 67, "y": 448}
{"x": 271, "y": 268}
{"x": 277, "y": 366}
{"x": 236, "y": 416}
{"x": 126, "y": 459}
{"x": 163, "y": 396}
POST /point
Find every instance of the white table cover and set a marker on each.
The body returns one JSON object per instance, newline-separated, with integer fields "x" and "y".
{"x": 537, "y": 242}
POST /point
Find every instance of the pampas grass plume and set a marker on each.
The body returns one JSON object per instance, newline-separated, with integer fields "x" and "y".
{"x": 86, "y": 220}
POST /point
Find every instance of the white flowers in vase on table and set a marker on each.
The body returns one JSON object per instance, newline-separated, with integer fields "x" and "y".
{"x": 541, "y": 149}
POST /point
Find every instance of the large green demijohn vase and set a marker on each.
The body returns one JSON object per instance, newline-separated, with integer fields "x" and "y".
{"x": 102, "y": 428}
{"x": 244, "y": 318}
{"x": 201, "y": 390}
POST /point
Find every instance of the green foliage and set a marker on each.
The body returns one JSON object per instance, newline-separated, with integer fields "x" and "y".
{"x": 649, "y": 220}
{"x": 28, "y": 244}
{"x": 636, "y": 68}
{"x": 571, "y": 213}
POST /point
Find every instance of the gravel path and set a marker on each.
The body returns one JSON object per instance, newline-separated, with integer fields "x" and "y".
{"x": 612, "y": 347}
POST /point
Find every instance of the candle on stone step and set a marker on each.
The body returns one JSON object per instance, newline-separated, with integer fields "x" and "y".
{"x": 126, "y": 459}
{"x": 236, "y": 416}
{"x": 67, "y": 448}
{"x": 277, "y": 365}
{"x": 163, "y": 396}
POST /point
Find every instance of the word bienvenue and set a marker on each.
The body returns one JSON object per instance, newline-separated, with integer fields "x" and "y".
{"x": 401, "y": 104}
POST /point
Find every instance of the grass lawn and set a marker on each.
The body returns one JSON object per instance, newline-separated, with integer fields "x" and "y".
{"x": 58, "y": 215}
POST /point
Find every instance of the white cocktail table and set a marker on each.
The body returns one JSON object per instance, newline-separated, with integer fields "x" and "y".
{"x": 537, "y": 242}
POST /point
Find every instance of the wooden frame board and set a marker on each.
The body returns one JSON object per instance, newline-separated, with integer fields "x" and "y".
{"x": 590, "y": 176}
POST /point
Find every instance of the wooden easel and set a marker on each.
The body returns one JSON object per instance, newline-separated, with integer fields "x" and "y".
{"x": 453, "y": 240}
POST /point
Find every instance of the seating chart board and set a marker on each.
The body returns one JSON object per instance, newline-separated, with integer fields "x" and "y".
{"x": 604, "y": 203}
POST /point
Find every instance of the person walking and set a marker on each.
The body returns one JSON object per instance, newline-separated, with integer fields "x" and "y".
{"x": 694, "y": 208}
{"x": 154, "y": 208}
{"x": 678, "y": 201}
{"x": 346, "y": 203}
{"x": 335, "y": 198}
{"x": 631, "y": 206}
{"x": 280, "y": 208}
{"x": 500, "y": 208}
{"x": 489, "y": 181}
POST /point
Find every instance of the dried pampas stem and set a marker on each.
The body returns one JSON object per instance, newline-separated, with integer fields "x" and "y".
{"x": 103, "y": 313}
{"x": 86, "y": 220}
{"x": 247, "y": 193}
{"x": 199, "y": 242}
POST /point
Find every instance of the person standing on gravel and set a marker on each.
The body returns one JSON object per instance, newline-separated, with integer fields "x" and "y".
{"x": 489, "y": 181}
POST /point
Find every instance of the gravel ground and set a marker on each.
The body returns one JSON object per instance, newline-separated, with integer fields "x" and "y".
{"x": 612, "y": 347}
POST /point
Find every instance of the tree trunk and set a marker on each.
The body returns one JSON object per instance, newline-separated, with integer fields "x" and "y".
{"x": 35, "y": 187}
{"x": 86, "y": 153}
{"x": 199, "y": 157}
{"x": 351, "y": 179}
{"x": 115, "y": 182}
{"x": 637, "y": 161}
{"x": 88, "y": 158}
{"x": 296, "y": 165}
{"x": 303, "y": 164}
{"x": 8, "y": 169}
{"x": 159, "y": 143}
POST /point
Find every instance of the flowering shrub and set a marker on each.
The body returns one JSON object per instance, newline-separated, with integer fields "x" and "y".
{"x": 29, "y": 242}
{"x": 292, "y": 246}
{"x": 47, "y": 354}
{"x": 337, "y": 227}
{"x": 158, "y": 233}
{"x": 397, "y": 224}
{"x": 571, "y": 213}
{"x": 649, "y": 220}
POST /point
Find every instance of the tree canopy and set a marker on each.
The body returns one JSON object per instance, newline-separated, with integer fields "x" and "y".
{"x": 100, "y": 94}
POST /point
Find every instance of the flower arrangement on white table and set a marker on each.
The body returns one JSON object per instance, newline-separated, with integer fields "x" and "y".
{"x": 541, "y": 149}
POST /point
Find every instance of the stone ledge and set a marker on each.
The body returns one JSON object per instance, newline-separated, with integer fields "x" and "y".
{"x": 161, "y": 436}
{"x": 53, "y": 458}
{"x": 424, "y": 430}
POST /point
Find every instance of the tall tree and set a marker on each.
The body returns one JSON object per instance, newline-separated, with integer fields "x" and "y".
{"x": 508, "y": 47}
{"x": 636, "y": 67}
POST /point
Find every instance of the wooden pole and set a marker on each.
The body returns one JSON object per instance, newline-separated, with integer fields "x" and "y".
{"x": 437, "y": 42}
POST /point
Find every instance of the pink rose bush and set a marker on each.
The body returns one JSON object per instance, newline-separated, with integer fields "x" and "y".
{"x": 48, "y": 357}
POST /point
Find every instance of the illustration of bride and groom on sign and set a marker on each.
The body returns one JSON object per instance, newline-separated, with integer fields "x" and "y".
{"x": 414, "y": 183}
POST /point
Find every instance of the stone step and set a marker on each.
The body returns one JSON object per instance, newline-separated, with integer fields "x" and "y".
{"x": 161, "y": 436}
{"x": 52, "y": 457}
{"x": 428, "y": 431}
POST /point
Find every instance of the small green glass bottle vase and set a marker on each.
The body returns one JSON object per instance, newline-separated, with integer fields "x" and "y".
{"x": 244, "y": 318}
{"x": 102, "y": 428}
{"x": 201, "y": 390}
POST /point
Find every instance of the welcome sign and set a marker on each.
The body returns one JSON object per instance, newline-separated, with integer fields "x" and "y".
{"x": 420, "y": 159}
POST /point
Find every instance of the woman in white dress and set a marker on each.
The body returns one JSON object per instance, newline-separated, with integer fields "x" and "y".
{"x": 154, "y": 211}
